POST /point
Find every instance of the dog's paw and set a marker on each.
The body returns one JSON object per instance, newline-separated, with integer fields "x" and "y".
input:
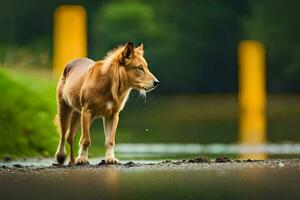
{"x": 82, "y": 161}
{"x": 111, "y": 160}
{"x": 71, "y": 163}
{"x": 61, "y": 157}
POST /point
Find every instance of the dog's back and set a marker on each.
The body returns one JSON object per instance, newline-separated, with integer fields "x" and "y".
{"x": 78, "y": 66}
{"x": 72, "y": 80}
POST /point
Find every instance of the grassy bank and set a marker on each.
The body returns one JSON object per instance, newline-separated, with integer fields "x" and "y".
{"x": 26, "y": 115}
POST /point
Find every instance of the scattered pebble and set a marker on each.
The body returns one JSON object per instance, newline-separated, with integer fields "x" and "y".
{"x": 199, "y": 160}
{"x": 281, "y": 164}
{"x": 223, "y": 159}
{"x": 17, "y": 165}
{"x": 178, "y": 162}
{"x": 102, "y": 162}
{"x": 130, "y": 164}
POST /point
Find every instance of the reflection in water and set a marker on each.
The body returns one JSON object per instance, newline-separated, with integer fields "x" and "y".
{"x": 207, "y": 182}
{"x": 111, "y": 181}
{"x": 252, "y": 95}
{"x": 256, "y": 179}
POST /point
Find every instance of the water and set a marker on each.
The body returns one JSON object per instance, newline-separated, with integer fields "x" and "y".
{"x": 146, "y": 153}
{"x": 177, "y": 148}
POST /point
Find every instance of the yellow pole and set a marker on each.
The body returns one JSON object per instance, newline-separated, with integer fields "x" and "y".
{"x": 70, "y": 40}
{"x": 252, "y": 94}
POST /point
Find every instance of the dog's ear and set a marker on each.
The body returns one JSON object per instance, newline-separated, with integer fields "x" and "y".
{"x": 140, "y": 49}
{"x": 128, "y": 51}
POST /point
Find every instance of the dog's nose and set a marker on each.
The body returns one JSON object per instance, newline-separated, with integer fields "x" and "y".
{"x": 155, "y": 83}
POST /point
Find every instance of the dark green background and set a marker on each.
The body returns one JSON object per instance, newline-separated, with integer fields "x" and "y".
{"x": 190, "y": 45}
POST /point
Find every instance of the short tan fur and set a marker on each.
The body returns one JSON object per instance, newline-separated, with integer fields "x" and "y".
{"x": 88, "y": 90}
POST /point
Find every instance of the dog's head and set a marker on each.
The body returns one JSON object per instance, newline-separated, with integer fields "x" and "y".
{"x": 136, "y": 68}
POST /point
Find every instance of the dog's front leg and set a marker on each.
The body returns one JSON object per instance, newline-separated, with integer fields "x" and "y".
{"x": 85, "y": 139}
{"x": 110, "y": 126}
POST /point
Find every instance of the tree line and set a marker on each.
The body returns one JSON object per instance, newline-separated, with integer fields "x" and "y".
{"x": 190, "y": 45}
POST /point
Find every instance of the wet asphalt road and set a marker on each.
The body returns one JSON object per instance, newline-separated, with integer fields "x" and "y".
{"x": 185, "y": 179}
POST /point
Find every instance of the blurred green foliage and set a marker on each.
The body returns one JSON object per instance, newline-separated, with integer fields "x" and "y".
{"x": 195, "y": 41}
{"x": 276, "y": 23}
{"x": 110, "y": 21}
{"x": 26, "y": 120}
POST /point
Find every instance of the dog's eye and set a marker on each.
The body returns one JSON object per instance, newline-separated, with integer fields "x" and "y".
{"x": 140, "y": 68}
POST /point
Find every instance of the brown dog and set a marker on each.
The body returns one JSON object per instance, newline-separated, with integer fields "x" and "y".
{"x": 88, "y": 89}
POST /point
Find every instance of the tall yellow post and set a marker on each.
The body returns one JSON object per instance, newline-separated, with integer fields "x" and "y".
{"x": 70, "y": 38}
{"x": 252, "y": 94}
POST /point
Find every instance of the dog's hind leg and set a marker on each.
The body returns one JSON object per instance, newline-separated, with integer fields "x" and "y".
{"x": 85, "y": 139}
{"x": 74, "y": 125}
{"x": 63, "y": 115}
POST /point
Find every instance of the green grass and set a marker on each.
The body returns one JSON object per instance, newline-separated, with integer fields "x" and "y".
{"x": 26, "y": 115}
{"x": 28, "y": 107}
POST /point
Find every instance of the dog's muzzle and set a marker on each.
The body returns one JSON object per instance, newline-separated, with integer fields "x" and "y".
{"x": 155, "y": 83}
